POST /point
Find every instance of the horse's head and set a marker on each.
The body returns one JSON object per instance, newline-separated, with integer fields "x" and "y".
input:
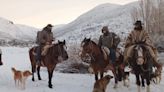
{"x": 88, "y": 47}
{"x": 139, "y": 54}
{"x": 61, "y": 46}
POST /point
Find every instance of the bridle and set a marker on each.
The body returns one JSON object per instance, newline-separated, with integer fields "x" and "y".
{"x": 91, "y": 52}
{"x": 141, "y": 57}
{"x": 59, "y": 49}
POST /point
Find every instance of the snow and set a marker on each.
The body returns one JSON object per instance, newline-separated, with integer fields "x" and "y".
{"x": 62, "y": 82}
{"x": 10, "y": 31}
{"x": 116, "y": 17}
{"x": 89, "y": 24}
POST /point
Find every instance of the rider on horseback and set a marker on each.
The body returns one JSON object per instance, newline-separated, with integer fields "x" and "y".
{"x": 109, "y": 40}
{"x": 138, "y": 35}
{"x": 44, "y": 39}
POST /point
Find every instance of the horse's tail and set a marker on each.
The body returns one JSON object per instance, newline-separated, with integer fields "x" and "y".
{"x": 31, "y": 56}
{"x": 13, "y": 69}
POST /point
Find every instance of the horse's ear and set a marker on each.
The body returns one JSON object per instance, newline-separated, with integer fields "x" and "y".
{"x": 89, "y": 39}
{"x": 64, "y": 42}
{"x": 85, "y": 39}
{"x": 58, "y": 41}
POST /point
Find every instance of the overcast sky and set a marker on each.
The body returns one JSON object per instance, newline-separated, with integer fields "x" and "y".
{"x": 39, "y": 13}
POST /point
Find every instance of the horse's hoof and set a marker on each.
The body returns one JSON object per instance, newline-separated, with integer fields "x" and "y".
{"x": 1, "y": 63}
{"x": 39, "y": 79}
{"x": 33, "y": 79}
{"x": 115, "y": 86}
{"x": 143, "y": 87}
{"x": 50, "y": 86}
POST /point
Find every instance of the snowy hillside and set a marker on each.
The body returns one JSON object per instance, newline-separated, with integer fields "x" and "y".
{"x": 10, "y": 31}
{"x": 116, "y": 17}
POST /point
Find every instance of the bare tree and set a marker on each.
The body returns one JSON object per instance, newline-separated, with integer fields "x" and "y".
{"x": 151, "y": 12}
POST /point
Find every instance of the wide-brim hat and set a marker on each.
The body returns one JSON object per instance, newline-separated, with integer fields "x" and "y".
{"x": 138, "y": 22}
{"x": 49, "y": 25}
{"x": 105, "y": 28}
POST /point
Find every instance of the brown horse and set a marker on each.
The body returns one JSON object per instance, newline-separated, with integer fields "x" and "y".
{"x": 55, "y": 54}
{"x": 141, "y": 63}
{"x": 98, "y": 62}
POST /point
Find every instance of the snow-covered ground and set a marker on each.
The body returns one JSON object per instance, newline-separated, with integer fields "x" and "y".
{"x": 18, "y": 58}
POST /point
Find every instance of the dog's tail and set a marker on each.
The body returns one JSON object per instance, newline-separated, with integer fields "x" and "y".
{"x": 13, "y": 69}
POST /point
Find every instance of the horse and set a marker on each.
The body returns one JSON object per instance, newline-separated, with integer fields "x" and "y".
{"x": 55, "y": 54}
{"x": 141, "y": 63}
{"x": 93, "y": 53}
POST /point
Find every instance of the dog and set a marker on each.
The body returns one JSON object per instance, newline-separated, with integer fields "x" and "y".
{"x": 101, "y": 84}
{"x": 20, "y": 77}
{"x": 156, "y": 77}
{"x": 126, "y": 80}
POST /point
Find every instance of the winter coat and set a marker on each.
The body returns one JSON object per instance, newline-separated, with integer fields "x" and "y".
{"x": 111, "y": 40}
{"x": 43, "y": 37}
{"x": 137, "y": 37}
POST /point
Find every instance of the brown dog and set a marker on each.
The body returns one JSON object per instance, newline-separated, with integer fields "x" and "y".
{"x": 101, "y": 84}
{"x": 20, "y": 77}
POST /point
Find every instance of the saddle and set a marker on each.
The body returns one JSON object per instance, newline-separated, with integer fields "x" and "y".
{"x": 44, "y": 50}
{"x": 106, "y": 52}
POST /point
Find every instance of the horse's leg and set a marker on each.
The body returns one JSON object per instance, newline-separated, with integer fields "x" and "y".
{"x": 119, "y": 74}
{"x": 33, "y": 71}
{"x": 50, "y": 74}
{"x": 115, "y": 77}
{"x": 138, "y": 82}
{"x": 38, "y": 72}
{"x": 148, "y": 82}
{"x": 96, "y": 76}
{"x": 1, "y": 59}
{"x": 142, "y": 81}
{"x": 33, "y": 63}
{"x": 101, "y": 74}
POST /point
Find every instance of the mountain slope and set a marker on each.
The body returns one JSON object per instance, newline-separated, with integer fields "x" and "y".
{"x": 10, "y": 31}
{"x": 86, "y": 18}
{"x": 116, "y": 17}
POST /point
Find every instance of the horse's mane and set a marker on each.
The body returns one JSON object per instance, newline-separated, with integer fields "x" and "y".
{"x": 146, "y": 53}
{"x": 53, "y": 49}
{"x": 94, "y": 43}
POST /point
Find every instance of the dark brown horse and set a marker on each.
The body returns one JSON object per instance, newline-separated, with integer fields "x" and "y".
{"x": 142, "y": 63}
{"x": 98, "y": 62}
{"x": 55, "y": 54}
